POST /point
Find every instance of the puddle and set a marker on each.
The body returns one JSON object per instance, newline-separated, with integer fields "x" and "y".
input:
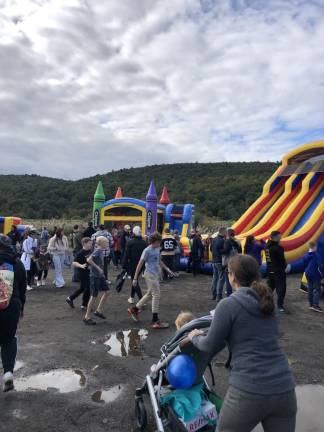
{"x": 125, "y": 342}
{"x": 310, "y": 415}
{"x": 63, "y": 380}
{"x": 19, "y": 365}
{"x": 107, "y": 396}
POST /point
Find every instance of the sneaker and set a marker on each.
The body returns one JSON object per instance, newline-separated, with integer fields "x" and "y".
{"x": 283, "y": 310}
{"x": 43, "y": 282}
{"x": 99, "y": 315}
{"x": 29, "y": 288}
{"x": 82, "y": 307}
{"x": 38, "y": 283}
{"x": 317, "y": 309}
{"x": 131, "y": 300}
{"x": 70, "y": 302}
{"x": 133, "y": 313}
{"x": 8, "y": 383}
{"x": 159, "y": 325}
{"x": 89, "y": 321}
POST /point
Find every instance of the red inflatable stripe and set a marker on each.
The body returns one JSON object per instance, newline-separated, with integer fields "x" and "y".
{"x": 258, "y": 208}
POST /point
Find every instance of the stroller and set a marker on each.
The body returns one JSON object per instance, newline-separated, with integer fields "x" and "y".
{"x": 156, "y": 383}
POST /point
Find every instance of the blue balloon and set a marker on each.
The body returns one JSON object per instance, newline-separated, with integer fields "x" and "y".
{"x": 181, "y": 372}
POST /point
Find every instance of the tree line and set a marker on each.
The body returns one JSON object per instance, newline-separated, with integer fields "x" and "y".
{"x": 223, "y": 190}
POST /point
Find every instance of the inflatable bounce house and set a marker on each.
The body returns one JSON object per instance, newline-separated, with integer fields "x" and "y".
{"x": 7, "y": 222}
{"x": 150, "y": 214}
{"x": 292, "y": 202}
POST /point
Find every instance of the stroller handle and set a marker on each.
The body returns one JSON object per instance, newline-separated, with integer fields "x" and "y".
{"x": 184, "y": 342}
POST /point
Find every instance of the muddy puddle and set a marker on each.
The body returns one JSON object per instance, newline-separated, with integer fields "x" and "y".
{"x": 108, "y": 396}
{"x": 125, "y": 343}
{"x": 62, "y": 380}
{"x": 310, "y": 415}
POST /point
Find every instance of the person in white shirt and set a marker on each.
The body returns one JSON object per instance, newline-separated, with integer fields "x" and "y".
{"x": 27, "y": 255}
{"x": 57, "y": 247}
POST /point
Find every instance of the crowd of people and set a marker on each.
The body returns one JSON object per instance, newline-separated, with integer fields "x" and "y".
{"x": 239, "y": 320}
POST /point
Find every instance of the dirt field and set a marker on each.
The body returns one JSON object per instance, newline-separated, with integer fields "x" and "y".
{"x": 52, "y": 336}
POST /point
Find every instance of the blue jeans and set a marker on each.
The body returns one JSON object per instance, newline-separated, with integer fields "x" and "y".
{"x": 314, "y": 292}
{"x": 218, "y": 280}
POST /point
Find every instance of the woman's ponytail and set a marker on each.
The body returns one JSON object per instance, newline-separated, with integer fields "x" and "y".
{"x": 246, "y": 272}
{"x": 266, "y": 297}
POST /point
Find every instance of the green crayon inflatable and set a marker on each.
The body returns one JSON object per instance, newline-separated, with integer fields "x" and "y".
{"x": 98, "y": 199}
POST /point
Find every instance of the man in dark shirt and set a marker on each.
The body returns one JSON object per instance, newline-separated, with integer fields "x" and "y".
{"x": 217, "y": 248}
{"x": 12, "y": 276}
{"x": 89, "y": 231}
{"x": 125, "y": 237}
{"x": 80, "y": 262}
{"x": 168, "y": 248}
{"x": 276, "y": 268}
{"x": 132, "y": 255}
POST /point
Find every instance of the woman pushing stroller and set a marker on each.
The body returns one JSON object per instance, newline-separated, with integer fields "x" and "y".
{"x": 262, "y": 388}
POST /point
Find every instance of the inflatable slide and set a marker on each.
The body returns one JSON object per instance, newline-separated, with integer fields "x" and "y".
{"x": 292, "y": 202}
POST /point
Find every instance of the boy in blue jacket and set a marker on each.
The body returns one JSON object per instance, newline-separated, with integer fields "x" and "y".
{"x": 313, "y": 272}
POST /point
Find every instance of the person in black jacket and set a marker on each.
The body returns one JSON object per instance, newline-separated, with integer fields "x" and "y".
{"x": 168, "y": 248}
{"x": 217, "y": 248}
{"x": 231, "y": 248}
{"x": 125, "y": 237}
{"x": 132, "y": 255}
{"x": 89, "y": 231}
{"x": 10, "y": 315}
{"x": 14, "y": 236}
{"x": 276, "y": 268}
{"x": 197, "y": 253}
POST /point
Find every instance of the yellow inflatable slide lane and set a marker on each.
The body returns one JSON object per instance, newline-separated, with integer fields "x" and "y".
{"x": 292, "y": 202}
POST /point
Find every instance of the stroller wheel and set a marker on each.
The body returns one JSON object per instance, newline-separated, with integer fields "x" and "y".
{"x": 140, "y": 414}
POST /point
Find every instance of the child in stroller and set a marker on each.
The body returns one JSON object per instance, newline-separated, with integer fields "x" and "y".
{"x": 157, "y": 387}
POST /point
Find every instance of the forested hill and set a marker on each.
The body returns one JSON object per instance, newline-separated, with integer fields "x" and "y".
{"x": 223, "y": 190}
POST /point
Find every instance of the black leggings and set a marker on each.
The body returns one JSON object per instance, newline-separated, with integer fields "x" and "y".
{"x": 8, "y": 326}
{"x": 42, "y": 273}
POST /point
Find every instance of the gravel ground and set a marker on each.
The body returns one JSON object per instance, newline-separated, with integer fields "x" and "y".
{"x": 52, "y": 336}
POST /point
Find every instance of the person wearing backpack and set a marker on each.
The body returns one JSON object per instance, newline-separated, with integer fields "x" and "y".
{"x": 12, "y": 300}
{"x": 231, "y": 248}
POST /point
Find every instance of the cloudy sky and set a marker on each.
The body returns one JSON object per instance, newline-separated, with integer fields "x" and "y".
{"x": 87, "y": 86}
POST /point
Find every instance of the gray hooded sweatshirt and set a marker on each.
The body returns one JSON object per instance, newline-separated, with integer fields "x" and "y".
{"x": 258, "y": 363}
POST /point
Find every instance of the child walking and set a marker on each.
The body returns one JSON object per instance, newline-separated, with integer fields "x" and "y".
{"x": 153, "y": 264}
{"x": 43, "y": 260}
{"x": 80, "y": 263}
{"x": 313, "y": 272}
{"x": 98, "y": 282}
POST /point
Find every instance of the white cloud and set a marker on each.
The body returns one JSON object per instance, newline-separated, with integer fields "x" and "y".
{"x": 86, "y": 87}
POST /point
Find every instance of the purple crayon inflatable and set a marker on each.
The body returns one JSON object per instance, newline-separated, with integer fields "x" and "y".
{"x": 151, "y": 210}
